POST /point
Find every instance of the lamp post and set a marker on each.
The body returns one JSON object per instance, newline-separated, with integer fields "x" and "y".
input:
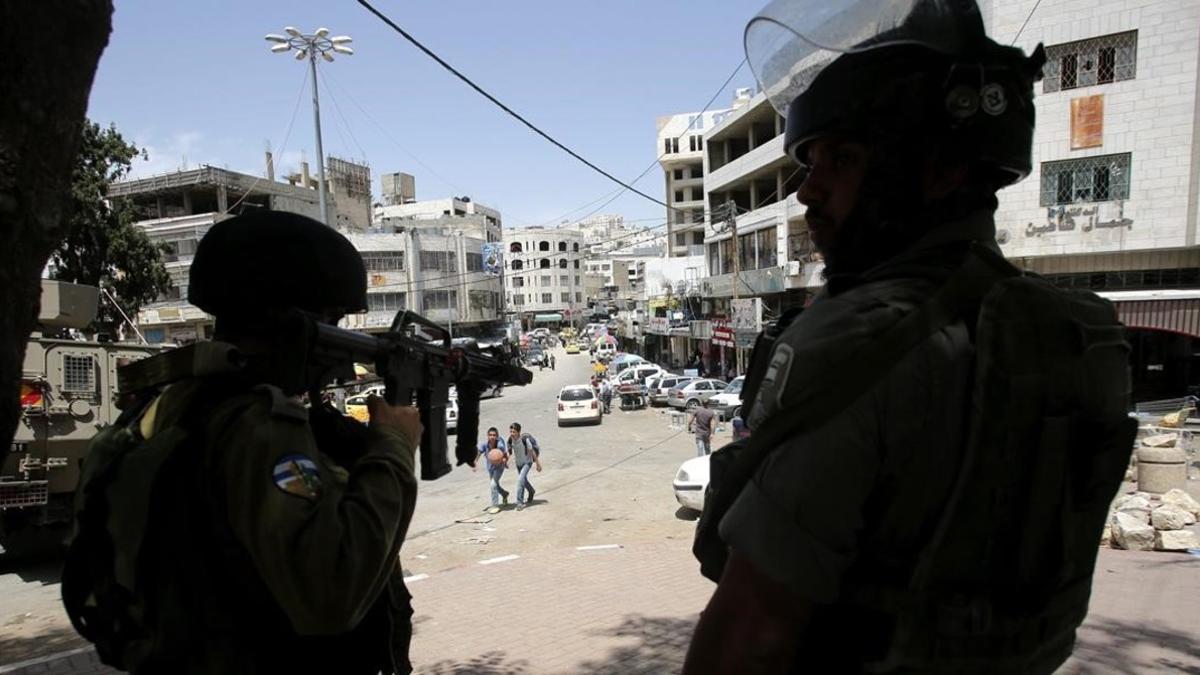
{"x": 309, "y": 46}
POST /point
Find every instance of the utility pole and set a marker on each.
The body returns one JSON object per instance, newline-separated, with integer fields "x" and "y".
{"x": 312, "y": 62}
{"x": 731, "y": 225}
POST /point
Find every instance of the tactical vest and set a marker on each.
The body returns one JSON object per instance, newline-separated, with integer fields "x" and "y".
{"x": 158, "y": 582}
{"x": 1005, "y": 578}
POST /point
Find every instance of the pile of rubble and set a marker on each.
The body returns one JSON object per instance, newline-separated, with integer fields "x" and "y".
{"x": 1142, "y": 521}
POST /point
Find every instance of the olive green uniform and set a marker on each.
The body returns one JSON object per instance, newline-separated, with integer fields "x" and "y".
{"x": 304, "y": 548}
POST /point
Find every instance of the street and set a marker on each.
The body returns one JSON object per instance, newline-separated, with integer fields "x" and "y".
{"x": 597, "y": 575}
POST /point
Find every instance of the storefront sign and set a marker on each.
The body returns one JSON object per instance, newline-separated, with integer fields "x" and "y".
{"x": 722, "y": 333}
{"x": 747, "y": 314}
{"x": 701, "y": 330}
{"x": 658, "y": 325}
{"x": 1087, "y": 122}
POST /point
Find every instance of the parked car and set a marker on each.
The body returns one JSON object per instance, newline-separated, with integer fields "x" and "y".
{"x": 661, "y": 386}
{"x": 535, "y": 356}
{"x": 356, "y": 407}
{"x": 637, "y": 373}
{"x": 578, "y": 403}
{"x": 690, "y": 483}
{"x": 694, "y": 393}
{"x": 622, "y": 361}
{"x": 729, "y": 402}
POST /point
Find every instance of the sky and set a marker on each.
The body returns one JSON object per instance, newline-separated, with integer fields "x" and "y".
{"x": 195, "y": 83}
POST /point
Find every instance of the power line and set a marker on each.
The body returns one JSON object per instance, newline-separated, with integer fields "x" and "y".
{"x": 504, "y": 107}
{"x": 286, "y": 135}
{"x": 345, "y": 123}
{"x": 1018, "y": 35}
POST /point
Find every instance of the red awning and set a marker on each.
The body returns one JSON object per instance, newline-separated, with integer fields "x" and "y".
{"x": 1171, "y": 315}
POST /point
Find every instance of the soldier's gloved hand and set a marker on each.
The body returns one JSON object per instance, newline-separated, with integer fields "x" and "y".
{"x": 405, "y": 420}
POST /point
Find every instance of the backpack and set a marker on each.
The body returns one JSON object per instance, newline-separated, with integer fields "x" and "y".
{"x": 1005, "y": 578}
{"x": 531, "y": 444}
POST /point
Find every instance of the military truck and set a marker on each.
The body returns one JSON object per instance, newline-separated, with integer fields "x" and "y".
{"x": 68, "y": 394}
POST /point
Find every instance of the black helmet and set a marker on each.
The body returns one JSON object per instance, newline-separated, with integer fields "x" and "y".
{"x": 897, "y": 69}
{"x": 276, "y": 260}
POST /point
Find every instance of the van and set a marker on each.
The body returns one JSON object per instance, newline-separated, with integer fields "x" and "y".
{"x": 605, "y": 351}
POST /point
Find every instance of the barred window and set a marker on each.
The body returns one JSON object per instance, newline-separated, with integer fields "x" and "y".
{"x": 439, "y": 261}
{"x": 547, "y": 298}
{"x": 439, "y": 300}
{"x": 1084, "y": 63}
{"x": 474, "y": 262}
{"x": 518, "y": 299}
{"x": 386, "y": 302}
{"x": 79, "y": 374}
{"x": 566, "y": 297}
{"x": 383, "y": 261}
{"x": 518, "y": 282}
{"x": 1091, "y": 179}
{"x": 481, "y": 299}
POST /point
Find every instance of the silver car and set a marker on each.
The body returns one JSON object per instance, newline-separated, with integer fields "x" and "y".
{"x": 661, "y": 386}
{"x": 693, "y": 394}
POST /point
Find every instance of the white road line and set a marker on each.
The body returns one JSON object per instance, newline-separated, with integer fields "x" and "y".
{"x": 503, "y": 558}
{"x": 415, "y": 577}
{"x": 597, "y": 547}
{"x": 13, "y": 667}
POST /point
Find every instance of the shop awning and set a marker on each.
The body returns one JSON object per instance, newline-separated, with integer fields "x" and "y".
{"x": 1171, "y": 311}
{"x": 547, "y": 318}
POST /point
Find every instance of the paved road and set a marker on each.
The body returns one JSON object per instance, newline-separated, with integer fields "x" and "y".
{"x": 601, "y": 484}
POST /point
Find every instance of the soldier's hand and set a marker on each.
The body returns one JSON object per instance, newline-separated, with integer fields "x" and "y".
{"x": 403, "y": 419}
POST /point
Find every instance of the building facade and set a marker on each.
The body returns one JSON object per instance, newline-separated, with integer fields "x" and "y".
{"x": 447, "y": 215}
{"x": 544, "y": 276}
{"x": 680, "y": 147}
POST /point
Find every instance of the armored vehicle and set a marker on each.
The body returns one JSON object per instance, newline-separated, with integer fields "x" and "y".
{"x": 68, "y": 394}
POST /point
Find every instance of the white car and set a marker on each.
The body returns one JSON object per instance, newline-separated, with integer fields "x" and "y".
{"x": 639, "y": 373}
{"x": 728, "y": 403}
{"x": 577, "y": 403}
{"x": 690, "y": 482}
{"x": 452, "y": 416}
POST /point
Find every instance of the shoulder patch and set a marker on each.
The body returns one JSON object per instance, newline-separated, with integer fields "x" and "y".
{"x": 283, "y": 405}
{"x": 297, "y": 475}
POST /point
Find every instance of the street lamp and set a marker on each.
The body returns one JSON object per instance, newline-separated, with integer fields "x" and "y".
{"x": 310, "y": 46}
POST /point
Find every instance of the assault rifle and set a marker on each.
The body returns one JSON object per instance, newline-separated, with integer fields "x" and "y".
{"x": 418, "y": 363}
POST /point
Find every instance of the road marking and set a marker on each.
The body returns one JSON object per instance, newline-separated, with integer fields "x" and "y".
{"x": 597, "y": 547}
{"x": 415, "y": 577}
{"x": 13, "y": 667}
{"x": 503, "y": 558}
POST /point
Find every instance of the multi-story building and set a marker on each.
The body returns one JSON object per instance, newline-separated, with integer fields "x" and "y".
{"x": 1114, "y": 197}
{"x": 544, "y": 275}
{"x": 681, "y": 154}
{"x": 448, "y": 215}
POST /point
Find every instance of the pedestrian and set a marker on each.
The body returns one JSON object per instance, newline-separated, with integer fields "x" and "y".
{"x": 279, "y": 524}
{"x": 494, "y": 455}
{"x": 552, "y": 362}
{"x": 526, "y": 454}
{"x": 701, "y": 426}
{"x": 606, "y": 395}
{"x": 877, "y": 398}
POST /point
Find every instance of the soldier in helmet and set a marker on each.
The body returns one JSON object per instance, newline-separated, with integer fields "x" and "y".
{"x": 906, "y": 119}
{"x": 273, "y": 533}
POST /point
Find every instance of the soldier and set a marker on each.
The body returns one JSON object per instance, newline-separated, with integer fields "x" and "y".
{"x": 271, "y": 532}
{"x": 907, "y": 119}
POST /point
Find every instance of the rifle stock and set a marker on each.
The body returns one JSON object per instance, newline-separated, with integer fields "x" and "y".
{"x": 419, "y": 368}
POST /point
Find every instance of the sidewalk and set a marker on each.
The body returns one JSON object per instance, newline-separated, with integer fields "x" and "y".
{"x": 610, "y": 609}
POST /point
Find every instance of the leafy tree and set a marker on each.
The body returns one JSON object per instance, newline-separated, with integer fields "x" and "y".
{"x": 103, "y": 248}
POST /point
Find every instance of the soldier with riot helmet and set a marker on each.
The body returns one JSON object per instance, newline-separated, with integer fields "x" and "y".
{"x": 257, "y": 535}
{"x": 836, "y": 532}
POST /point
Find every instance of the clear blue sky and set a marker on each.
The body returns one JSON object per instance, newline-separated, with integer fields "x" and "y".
{"x": 196, "y": 80}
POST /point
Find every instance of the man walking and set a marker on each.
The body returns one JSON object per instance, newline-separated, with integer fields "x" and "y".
{"x": 700, "y": 425}
{"x": 494, "y": 455}
{"x": 526, "y": 453}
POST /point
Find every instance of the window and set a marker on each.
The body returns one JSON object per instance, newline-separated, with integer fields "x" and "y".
{"x": 580, "y": 394}
{"x": 726, "y": 248}
{"x": 481, "y": 299}
{"x": 439, "y": 300}
{"x": 562, "y": 263}
{"x": 474, "y": 262}
{"x": 578, "y": 296}
{"x": 746, "y": 251}
{"x": 577, "y": 263}
{"x": 566, "y": 297}
{"x": 518, "y": 282}
{"x": 562, "y": 246}
{"x": 1085, "y": 63}
{"x": 666, "y": 146}
{"x": 543, "y": 245}
{"x": 79, "y": 374}
{"x": 679, "y": 195}
{"x": 180, "y": 249}
{"x": 696, "y": 122}
{"x": 386, "y": 302}
{"x": 545, "y": 280}
{"x": 576, "y": 279}
{"x": 681, "y": 238}
{"x": 440, "y": 261}
{"x": 564, "y": 280}
{"x": 674, "y": 145}
{"x": 692, "y": 143}
{"x": 767, "y": 256}
{"x": 544, "y": 263}
{"x": 383, "y": 261}
{"x": 678, "y": 174}
{"x": 518, "y": 299}
{"x": 697, "y": 194}
{"x": 575, "y": 247}
{"x": 1093, "y": 179}
{"x": 547, "y": 298}
{"x": 697, "y": 238}
{"x": 518, "y": 265}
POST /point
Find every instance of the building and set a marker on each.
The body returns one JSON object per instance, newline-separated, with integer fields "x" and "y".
{"x": 544, "y": 276}
{"x": 439, "y": 276}
{"x": 448, "y": 215}
{"x": 680, "y": 150}
{"x": 1114, "y": 197}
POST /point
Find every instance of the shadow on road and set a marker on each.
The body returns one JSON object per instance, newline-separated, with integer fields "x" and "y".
{"x": 684, "y": 513}
{"x": 491, "y": 663}
{"x": 41, "y": 569}
{"x": 1112, "y": 646}
{"x": 658, "y": 646}
{"x": 14, "y": 649}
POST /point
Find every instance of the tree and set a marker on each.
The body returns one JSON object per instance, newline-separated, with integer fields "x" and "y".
{"x": 103, "y": 247}
{"x": 51, "y": 53}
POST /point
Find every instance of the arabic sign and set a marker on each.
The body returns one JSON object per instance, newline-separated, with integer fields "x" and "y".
{"x": 1087, "y": 122}
{"x": 722, "y": 333}
{"x": 1085, "y": 218}
{"x": 493, "y": 258}
{"x": 747, "y": 314}
{"x": 658, "y": 325}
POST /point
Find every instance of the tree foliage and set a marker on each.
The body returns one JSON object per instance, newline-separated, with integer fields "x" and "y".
{"x": 103, "y": 247}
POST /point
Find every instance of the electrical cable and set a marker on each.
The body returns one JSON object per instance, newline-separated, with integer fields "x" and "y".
{"x": 286, "y": 135}
{"x": 338, "y": 108}
{"x": 428, "y": 52}
{"x": 1022, "y": 30}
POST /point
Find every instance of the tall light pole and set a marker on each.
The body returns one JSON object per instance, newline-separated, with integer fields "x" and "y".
{"x": 309, "y": 46}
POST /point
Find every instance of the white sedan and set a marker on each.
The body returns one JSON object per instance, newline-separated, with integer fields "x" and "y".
{"x": 577, "y": 403}
{"x": 690, "y": 482}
